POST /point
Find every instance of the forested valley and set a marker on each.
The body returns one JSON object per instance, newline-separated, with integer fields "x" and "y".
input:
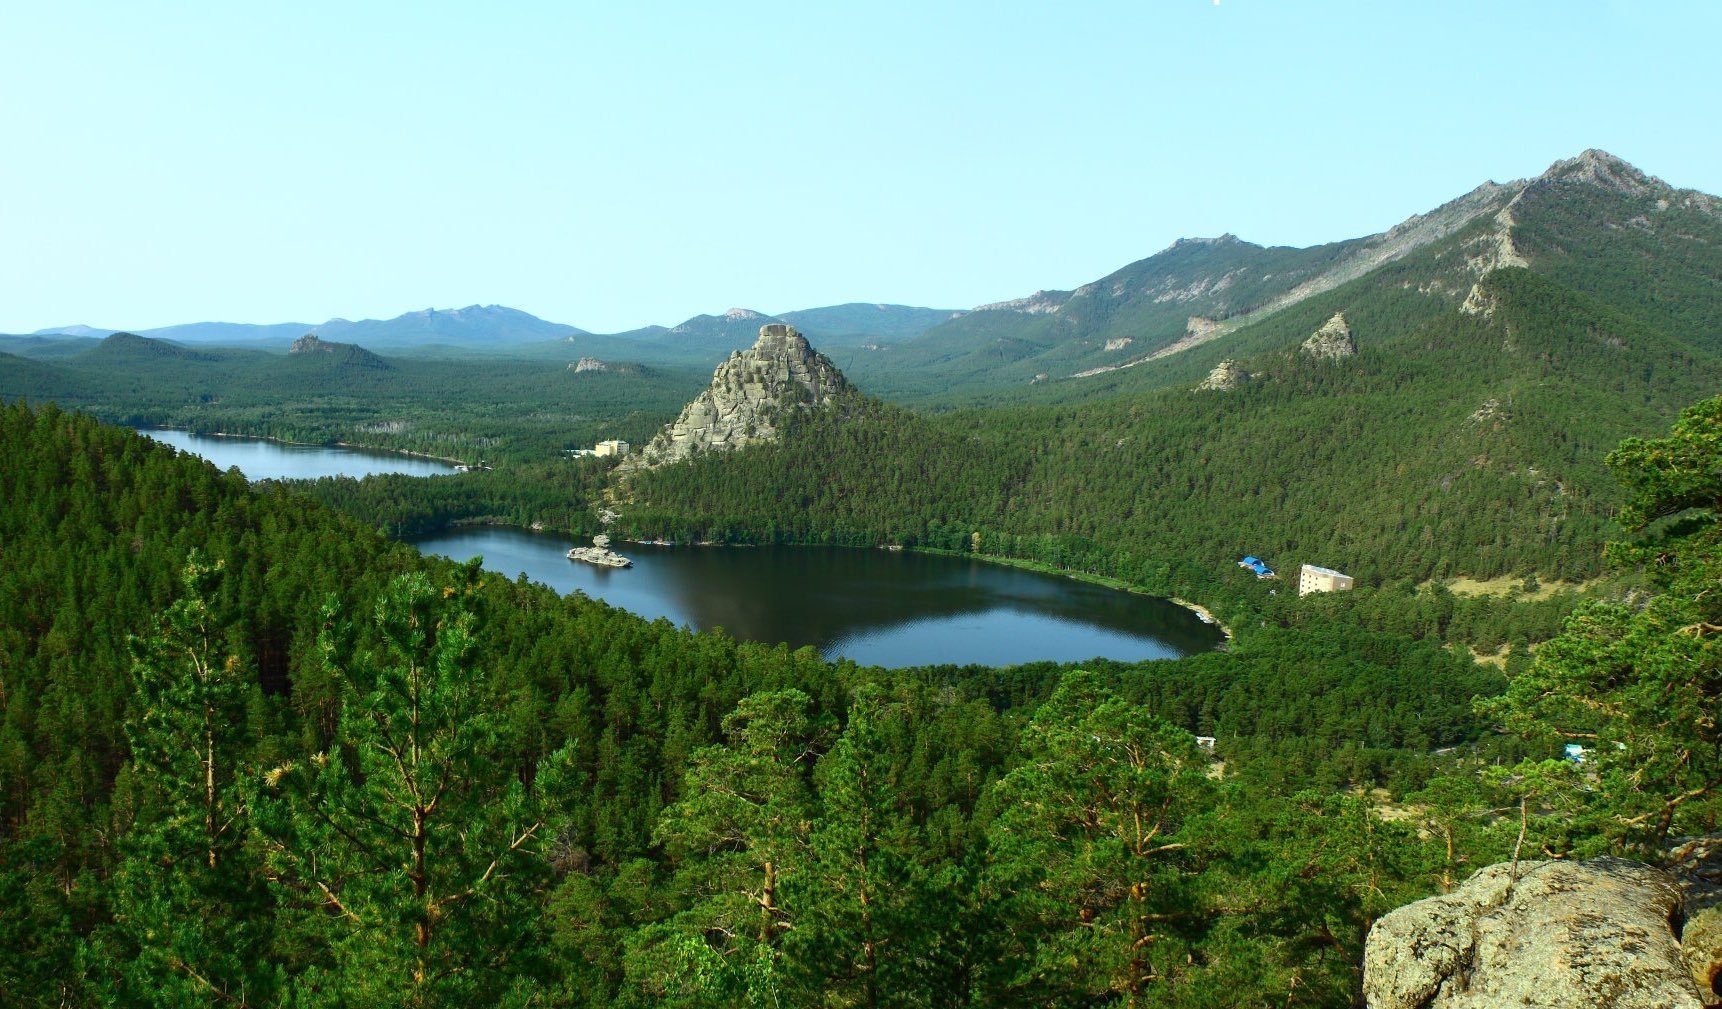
{"x": 255, "y": 753}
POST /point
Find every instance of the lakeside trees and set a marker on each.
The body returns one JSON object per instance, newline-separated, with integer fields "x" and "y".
{"x": 716, "y": 821}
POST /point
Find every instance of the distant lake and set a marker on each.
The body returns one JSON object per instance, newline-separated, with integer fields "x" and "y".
{"x": 873, "y": 606}
{"x": 261, "y": 459}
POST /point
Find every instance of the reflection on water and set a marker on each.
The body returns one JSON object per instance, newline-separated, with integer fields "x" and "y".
{"x": 259, "y": 459}
{"x": 873, "y": 606}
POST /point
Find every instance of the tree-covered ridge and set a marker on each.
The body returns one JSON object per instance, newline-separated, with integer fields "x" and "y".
{"x": 1464, "y": 444}
{"x": 294, "y": 712}
{"x": 472, "y": 409}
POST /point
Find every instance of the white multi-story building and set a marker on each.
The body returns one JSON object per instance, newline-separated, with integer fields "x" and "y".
{"x": 616, "y": 448}
{"x": 1316, "y": 579}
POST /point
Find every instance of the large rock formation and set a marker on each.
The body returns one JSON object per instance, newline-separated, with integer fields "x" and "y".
{"x": 310, "y": 344}
{"x": 750, "y": 395}
{"x": 1332, "y": 341}
{"x": 1603, "y": 934}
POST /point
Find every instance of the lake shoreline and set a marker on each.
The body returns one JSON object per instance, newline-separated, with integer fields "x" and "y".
{"x": 849, "y": 602}
{"x": 351, "y": 445}
{"x": 1118, "y": 584}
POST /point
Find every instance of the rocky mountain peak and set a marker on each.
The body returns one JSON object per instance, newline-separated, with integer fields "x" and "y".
{"x": 751, "y": 394}
{"x": 309, "y": 344}
{"x": 1332, "y": 341}
{"x": 1600, "y": 168}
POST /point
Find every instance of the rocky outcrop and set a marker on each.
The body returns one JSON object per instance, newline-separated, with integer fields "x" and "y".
{"x": 1197, "y": 328}
{"x": 1332, "y": 341}
{"x": 1226, "y": 376}
{"x": 751, "y": 394}
{"x": 1602, "y": 934}
{"x": 1699, "y": 864}
{"x": 1479, "y": 302}
{"x": 588, "y": 364}
{"x": 309, "y": 344}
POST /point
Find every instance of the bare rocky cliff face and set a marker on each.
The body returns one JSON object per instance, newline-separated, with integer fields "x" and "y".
{"x": 1602, "y": 934}
{"x": 750, "y": 396}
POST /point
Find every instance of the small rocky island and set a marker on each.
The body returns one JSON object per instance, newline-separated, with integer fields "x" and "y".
{"x": 599, "y": 553}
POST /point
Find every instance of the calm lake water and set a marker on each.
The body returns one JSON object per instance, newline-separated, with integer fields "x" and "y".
{"x": 260, "y": 459}
{"x": 873, "y": 606}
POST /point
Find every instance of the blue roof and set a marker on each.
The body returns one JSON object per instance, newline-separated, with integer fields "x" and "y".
{"x": 1251, "y": 561}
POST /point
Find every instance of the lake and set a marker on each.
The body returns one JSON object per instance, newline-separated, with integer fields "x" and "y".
{"x": 261, "y": 459}
{"x": 876, "y": 607}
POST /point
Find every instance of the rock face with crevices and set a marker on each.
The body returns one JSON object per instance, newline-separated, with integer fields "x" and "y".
{"x": 1698, "y": 861}
{"x": 751, "y": 394}
{"x": 1600, "y": 934}
{"x": 1332, "y": 341}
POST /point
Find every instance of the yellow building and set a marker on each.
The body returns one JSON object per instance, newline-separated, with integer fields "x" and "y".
{"x": 1313, "y": 579}
{"x": 615, "y": 448}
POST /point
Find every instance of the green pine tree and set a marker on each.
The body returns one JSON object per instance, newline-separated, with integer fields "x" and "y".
{"x": 862, "y": 937}
{"x": 191, "y": 917}
{"x": 414, "y": 856}
{"x": 1090, "y": 862}
{"x": 737, "y": 837}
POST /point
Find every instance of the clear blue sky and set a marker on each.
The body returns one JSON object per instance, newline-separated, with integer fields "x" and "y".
{"x": 612, "y": 165}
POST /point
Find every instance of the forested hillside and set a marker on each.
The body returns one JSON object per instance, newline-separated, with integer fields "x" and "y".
{"x": 1463, "y": 443}
{"x": 216, "y": 677}
{"x": 251, "y": 753}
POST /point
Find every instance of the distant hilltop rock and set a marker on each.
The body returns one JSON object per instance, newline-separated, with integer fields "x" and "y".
{"x": 750, "y": 395}
{"x": 1551, "y": 935}
{"x": 319, "y": 353}
{"x": 1332, "y": 341}
{"x": 1226, "y": 376}
{"x": 588, "y": 364}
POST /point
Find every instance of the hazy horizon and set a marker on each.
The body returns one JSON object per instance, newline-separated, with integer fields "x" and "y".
{"x": 614, "y": 169}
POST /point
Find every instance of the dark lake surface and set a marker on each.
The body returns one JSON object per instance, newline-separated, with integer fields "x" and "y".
{"x": 260, "y": 459}
{"x": 873, "y": 606}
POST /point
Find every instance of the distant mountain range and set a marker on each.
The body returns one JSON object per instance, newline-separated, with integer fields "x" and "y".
{"x": 494, "y": 327}
{"x": 476, "y": 326}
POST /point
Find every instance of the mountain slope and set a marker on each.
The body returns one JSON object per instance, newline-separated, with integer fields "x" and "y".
{"x": 1460, "y": 443}
{"x": 1594, "y": 223}
{"x": 878, "y": 322}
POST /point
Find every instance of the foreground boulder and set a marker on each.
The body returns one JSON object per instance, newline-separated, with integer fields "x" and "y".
{"x": 1698, "y": 861}
{"x": 1602, "y": 934}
